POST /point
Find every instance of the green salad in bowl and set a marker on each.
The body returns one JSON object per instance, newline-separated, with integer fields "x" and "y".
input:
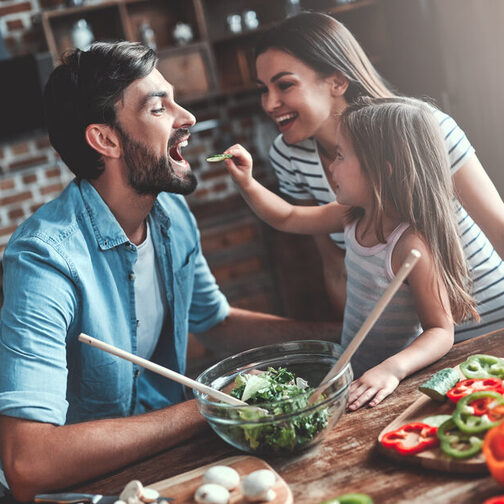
{"x": 276, "y": 382}
{"x": 284, "y": 394}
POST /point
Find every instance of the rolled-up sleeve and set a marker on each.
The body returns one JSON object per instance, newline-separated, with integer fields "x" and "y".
{"x": 209, "y": 306}
{"x": 40, "y": 301}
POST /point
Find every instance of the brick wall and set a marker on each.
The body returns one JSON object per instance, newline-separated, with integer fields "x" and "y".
{"x": 20, "y": 26}
{"x": 30, "y": 175}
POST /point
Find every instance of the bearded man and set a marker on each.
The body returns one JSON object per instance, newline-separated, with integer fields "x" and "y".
{"x": 116, "y": 256}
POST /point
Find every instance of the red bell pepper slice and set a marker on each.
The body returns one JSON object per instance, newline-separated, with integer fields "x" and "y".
{"x": 483, "y": 406}
{"x": 499, "y": 499}
{"x": 411, "y": 438}
{"x": 466, "y": 387}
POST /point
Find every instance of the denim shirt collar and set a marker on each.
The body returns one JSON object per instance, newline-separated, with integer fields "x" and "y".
{"x": 107, "y": 230}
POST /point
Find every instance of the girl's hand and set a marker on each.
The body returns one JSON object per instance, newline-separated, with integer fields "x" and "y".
{"x": 240, "y": 165}
{"x": 374, "y": 385}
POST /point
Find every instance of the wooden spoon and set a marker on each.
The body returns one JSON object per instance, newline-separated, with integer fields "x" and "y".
{"x": 156, "y": 368}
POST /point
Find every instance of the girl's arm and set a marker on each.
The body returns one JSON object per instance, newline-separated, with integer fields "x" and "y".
{"x": 435, "y": 341}
{"x": 481, "y": 200}
{"x": 276, "y": 211}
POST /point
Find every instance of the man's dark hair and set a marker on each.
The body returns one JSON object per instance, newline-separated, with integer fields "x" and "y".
{"x": 84, "y": 90}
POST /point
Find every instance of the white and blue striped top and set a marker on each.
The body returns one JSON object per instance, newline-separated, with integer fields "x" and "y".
{"x": 369, "y": 273}
{"x": 301, "y": 176}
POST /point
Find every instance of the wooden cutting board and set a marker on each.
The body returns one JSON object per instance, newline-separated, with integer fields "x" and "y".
{"x": 433, "y": 458}
{"x": 183, "y": 486}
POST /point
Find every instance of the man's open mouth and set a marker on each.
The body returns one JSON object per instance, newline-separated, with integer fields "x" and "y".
{"x": 174, "y": 152}
{"x": 285, "y": 119}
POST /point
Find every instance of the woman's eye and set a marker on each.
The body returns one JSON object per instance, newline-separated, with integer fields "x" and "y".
{"x": 262, "y": 89}
{"x": 285, "y": 85}
{"x": 158, "y": 110}
{"x": 339, "y": 156}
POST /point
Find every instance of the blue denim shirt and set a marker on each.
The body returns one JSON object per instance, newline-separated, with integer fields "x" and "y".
{"x": 69, "y": 269}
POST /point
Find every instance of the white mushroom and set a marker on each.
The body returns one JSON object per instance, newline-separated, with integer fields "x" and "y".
{"x": 210, "y": 493}
{"x": 132, "y": 492}
{"x": 149, "y": 495}
{"x": 222, "y": 475}
{"x": 258, "y": 485}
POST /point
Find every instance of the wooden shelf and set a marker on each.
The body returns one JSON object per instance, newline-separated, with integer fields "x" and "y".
{"x": 216, "y": 62}
{"x": 232, "y": 37}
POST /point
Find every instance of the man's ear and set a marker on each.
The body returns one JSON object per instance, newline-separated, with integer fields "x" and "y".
{"x": 104, "y": 140}
{"x": 339, "y": 84}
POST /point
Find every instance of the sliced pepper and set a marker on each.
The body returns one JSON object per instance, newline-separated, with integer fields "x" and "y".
{"x": 499, "y": 499}
{"x": 472, "y": 414}
{"x": 411, "y": 438}
{"x": 483, "y": 366}
{"x": 466, "y": 387}
{"x": 493, "y": 449}
{"x": 458, "y": 444}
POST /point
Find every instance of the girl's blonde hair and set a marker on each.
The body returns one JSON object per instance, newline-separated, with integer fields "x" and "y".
{"x": 400, "y": 147}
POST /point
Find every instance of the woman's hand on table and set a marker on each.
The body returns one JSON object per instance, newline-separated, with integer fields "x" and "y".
{"x": 372, "y": 387}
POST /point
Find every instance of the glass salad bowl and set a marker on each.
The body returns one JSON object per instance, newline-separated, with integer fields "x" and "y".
{"x": 280, "y": 419}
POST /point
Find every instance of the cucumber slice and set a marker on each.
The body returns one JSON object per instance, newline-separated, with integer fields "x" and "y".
{"x": 436, "y": 420}
{"x": 438, "y": 384}
{"x": 216, "y": 158}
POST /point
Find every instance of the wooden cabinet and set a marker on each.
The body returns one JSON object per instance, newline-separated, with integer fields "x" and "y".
{"x": 219, "y": 58}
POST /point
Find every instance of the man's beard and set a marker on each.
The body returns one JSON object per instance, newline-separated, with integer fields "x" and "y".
{"x": 149, "y": 174}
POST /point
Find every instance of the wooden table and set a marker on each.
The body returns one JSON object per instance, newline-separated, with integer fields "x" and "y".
{"x": 348, "y": 459}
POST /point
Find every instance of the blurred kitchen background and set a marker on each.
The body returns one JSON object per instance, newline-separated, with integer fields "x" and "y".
{"x": 449, "y": 50}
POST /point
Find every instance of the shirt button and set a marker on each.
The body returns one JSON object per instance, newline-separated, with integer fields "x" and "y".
{"x": 131, "y": 276}
{"x": 105, "y": 243}
{"x": 137, "y": 372}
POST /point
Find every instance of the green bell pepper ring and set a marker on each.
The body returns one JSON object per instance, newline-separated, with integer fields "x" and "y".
{"x": 354, "y": 498}
{"x": 472, "y": 414}
{"x": 458, "y": 444}
{"x": 483, "y": 366}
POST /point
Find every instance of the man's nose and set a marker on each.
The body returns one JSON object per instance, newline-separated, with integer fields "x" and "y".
{"x": 184, "y": 118}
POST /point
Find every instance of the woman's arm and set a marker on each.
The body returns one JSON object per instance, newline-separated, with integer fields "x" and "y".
{"x": 436, "y": 340}
{"x": 276, "y": 211}
{"x": 480, "y": 198}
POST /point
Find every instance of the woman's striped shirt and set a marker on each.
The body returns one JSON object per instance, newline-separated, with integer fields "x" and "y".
{"x": 301, "y": 176}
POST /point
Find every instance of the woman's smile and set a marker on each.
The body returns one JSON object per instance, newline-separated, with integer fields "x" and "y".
{"x": 285, "y": 121}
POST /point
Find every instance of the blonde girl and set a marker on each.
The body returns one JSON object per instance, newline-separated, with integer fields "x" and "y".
{"x": 392, "y": 180}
